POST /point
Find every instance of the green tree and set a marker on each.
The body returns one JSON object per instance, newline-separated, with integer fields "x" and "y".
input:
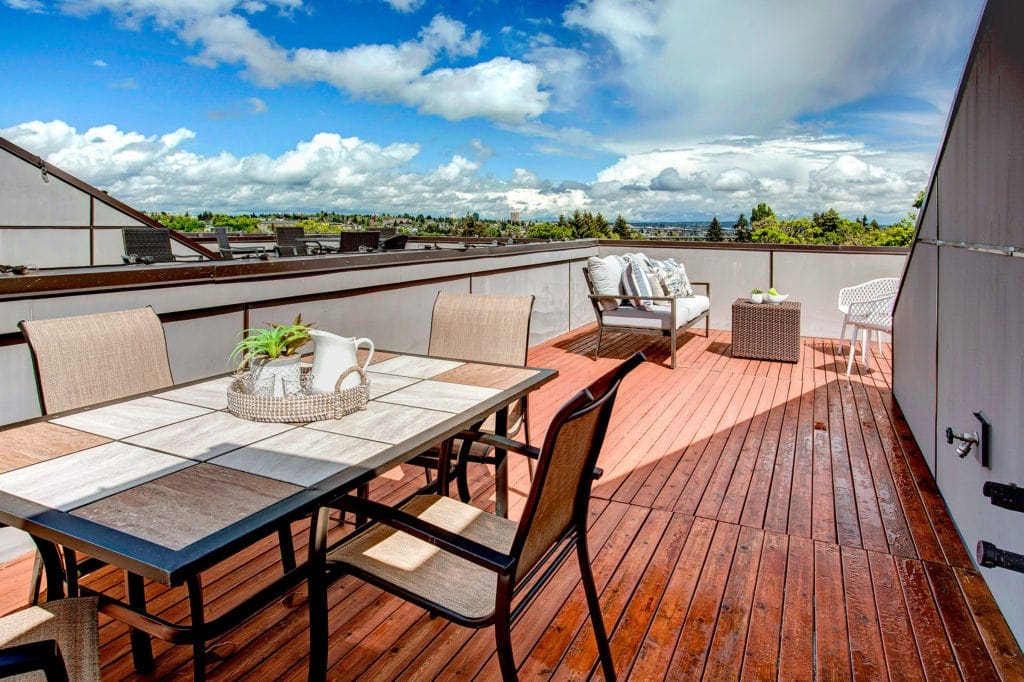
{"x": 919, "y": 200}
{"x": 742, "y": 228}
{"x": 621, "y": 228}
{"x": 761, "y": 212}
{"x": 714, "y": 231}
{"x": 549, "y": 231}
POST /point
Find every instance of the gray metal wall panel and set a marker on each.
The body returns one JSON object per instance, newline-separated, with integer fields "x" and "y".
{"x": 30, "y": 201}
{"x": 200, "y": 347}
{"x": 396, "y": 319}
{"x": 929, "y": 223}
{"x": 108, "y": 216}
{"x": 108, "y": 246}
{"x": 981, "y": 367}
{"x": 20, "y": 398}
{"x": 914, "y": 348}
{"x": 45, "y": 248}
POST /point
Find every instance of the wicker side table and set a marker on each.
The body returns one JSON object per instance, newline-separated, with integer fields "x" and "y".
{"x": 763, "y": 331}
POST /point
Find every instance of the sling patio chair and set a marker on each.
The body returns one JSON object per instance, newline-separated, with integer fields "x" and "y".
{"x": 59, "y": 639}
{"x": 228, "y": 251}
{"x": 289, "y": 241}
{"x": 475, "y": 568}
{"x": 481, "y": 328}
{"x": 395, "y": 242}
{"x": 134, "y": 360}
{"x": 151, "y": 245}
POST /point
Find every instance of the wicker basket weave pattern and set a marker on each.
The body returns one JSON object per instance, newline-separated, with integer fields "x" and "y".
{"x": 766, "y": 332}
{"x": 300, "y": 408}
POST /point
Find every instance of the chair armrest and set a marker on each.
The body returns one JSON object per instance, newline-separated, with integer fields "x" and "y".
{"x": 24, "y": 658}
{"x": 501, "y": 443}
{"x": 464, "y": 548}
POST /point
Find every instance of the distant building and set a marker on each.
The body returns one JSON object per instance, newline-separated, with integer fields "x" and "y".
{"x": 513, "y": 217}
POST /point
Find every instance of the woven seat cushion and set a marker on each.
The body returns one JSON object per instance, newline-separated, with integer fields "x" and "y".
{"x": 658, "y": 316}
{"x": 72, "y": 622}
{"x": 423, "y": 569}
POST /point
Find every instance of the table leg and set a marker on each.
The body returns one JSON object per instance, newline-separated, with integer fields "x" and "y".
{"x": 198, "y": 624}
{"x": 501, "y": 465}
{"x": 142, "y": 646}
{"x": 50, "y": 556}
{"x": 444, "y": 466}
{"x": 317, "y": 595}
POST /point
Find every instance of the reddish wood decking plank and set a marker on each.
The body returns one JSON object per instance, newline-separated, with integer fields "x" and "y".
{"x": 731, "y": 439}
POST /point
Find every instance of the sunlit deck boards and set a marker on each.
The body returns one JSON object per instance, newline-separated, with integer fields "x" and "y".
{"x": 755, "y": 519}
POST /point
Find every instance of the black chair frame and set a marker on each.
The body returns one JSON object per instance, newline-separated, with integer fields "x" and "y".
{"x": 599, "y": 396}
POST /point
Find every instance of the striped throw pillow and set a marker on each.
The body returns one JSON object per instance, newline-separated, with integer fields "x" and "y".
{"x": 635, "y": 283}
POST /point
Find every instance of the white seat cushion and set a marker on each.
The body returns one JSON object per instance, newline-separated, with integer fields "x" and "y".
{"x": 658, "y": 316}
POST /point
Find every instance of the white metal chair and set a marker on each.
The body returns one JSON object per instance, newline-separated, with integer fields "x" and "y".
{"x": 868, "y": 316}
{"x": 868, "y": 291}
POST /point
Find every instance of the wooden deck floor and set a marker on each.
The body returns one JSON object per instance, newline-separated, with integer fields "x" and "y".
{"x": 756, "y": 520}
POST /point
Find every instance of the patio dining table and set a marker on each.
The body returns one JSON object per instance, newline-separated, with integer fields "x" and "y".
{"x": 166, "y": 485}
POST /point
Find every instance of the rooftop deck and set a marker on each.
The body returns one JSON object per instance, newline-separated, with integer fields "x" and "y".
{"x": 755, "y": 519}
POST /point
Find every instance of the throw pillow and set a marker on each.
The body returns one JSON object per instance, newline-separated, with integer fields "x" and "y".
{"x": 636, "y": 283}
{"x": 683, "y": 287}
{"x": 606, "y": 276}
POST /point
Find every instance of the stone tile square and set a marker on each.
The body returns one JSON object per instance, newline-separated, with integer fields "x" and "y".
{"x": 208, "y": 435}
{"x": 38, "y": 442}
{"x": 412, "y": 366}
{"x": 86, "y": 476}
{"x": 188, "y": 505}
{"x": 491, "y": 376}
{"x": 382, "y": 384}
{"x": 302, "y": 456}
{"x": 212, "y": 394}
{"x": 384, "y": 422}
{"x": 440, "y": 395}
{"x": 131, "y": 417}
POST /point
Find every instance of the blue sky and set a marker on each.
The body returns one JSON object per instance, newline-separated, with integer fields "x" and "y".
{"x": 653, "y": 109}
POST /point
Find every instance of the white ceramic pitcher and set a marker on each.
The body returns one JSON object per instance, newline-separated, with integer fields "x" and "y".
{"x": 332, "y": 355}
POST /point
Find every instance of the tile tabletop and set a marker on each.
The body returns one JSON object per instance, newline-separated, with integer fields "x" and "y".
{"x": 383, "y": 422}
{"x": 212, "y": 394}
{"x": 207, "y": 436}
{"x": 440, "y": 395}
{"x": 130, "y": 417}
{"x": 413, "y": 366}
{"x": 302, "y": 456}
{"x": 82, "y": 477}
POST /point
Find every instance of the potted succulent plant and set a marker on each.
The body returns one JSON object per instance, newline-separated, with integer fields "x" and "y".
{"x": 271, "y": 354}
{"x": 756, "y": 296}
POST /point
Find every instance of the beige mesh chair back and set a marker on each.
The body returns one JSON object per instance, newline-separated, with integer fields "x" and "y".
{"x": 60, "y": 639}
{"x": 467, "y": 565}
{"x": 91, "y": 359}
{"x": 481, "y": 327}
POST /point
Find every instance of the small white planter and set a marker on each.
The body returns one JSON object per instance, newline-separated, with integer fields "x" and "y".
{"x": 757, "y": 298}
{"x": 270, "y": 373}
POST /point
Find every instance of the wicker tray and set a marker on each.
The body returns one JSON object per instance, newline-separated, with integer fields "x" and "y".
{"x": 300, "y": 408}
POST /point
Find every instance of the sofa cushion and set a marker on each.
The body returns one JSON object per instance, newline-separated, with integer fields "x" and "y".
{"x": 673, "y": 277}
{"x": 658, "y": 316}
{"x": 606, "y": 276}
{"x": 635, "y": 282}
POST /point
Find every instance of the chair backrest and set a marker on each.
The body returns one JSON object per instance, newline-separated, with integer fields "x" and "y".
{"x": 873, "y": 314}
{"x": 386, "y": 232}
{"x": 395, "y": 242}
{"x": 867, "y": 291}
{"x": 71, "y": 623}
{"x": 222, "y": 238}
{"x": 481, "y": 327}
{"x": 560, "y": 493}
{"x": 288, "y": 238}
{"x": 352, "y": 241}
{"x": 90, "y": 359}
{"x": 154, "y": 242}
